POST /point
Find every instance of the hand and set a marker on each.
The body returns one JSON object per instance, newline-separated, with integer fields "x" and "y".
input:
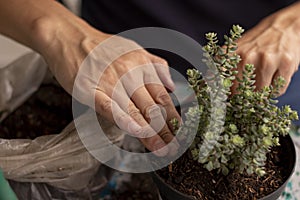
{"x": 273, "y": 46}
{"x": 130, "y": 90}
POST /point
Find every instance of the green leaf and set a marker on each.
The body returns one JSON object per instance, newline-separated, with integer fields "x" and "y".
{"x": 209, "y": 166}
{"x": 237, "y": 140}
{"x": 267, "y": 141}
{"x": 225, "y": 170}
{"x": 224, "y": 160}
{"x": 260, "y": 171}
{"x": 233, "y": 128}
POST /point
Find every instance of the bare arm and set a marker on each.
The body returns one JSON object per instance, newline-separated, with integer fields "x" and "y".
{"x": 64, "y": 40}
{"x": 273, "y": 46}
{"x": 31, "y": 22}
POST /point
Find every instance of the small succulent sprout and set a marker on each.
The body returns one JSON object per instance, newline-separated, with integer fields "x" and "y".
{"x": 233, "y": 128}
{"x": 238, "y": 140}
{"x": 175, "y": 124}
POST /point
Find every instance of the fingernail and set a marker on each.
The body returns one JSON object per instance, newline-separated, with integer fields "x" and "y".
{"x": 134, "y": 128}
{"x": 171, "y": 84}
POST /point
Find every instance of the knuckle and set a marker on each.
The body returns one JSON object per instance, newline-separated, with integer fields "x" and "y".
{"x": 161, "y": 61}
{"x": 287, "y": 59}
{"x": 106, "y": 82}
{"x": 147, "y": 105}
{"x": 288, "y": 65}
{"x": 164, "y": 62}
{"x": 158, "y": 59}
{"x": 264, "y": 63}
{"x": 244, "y": 51}
{"x": 121, "y": 118}
{"x": 147, "y": 132}
{"x": 165, "y": 134}
{"x": 163, "y": 98}
{"x": 151, "y": 110}
{"x": 133, "y": 60}
{"x": 106, "y": 106}
{"x": 140, "y": 55}
{"x": 122, "y": 64}
{"x": 267, "y": 58}
{"x": 135, "y": 113}
{"x": 248, "y": 57}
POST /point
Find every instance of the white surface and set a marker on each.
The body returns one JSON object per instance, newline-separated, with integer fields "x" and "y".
{"x": 10, "y": 51}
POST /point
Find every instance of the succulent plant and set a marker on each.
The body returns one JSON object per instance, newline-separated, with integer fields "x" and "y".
{"x": 235, "y": 130}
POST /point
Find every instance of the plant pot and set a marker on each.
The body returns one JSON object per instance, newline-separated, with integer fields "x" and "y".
{"x": 169, "y": 193}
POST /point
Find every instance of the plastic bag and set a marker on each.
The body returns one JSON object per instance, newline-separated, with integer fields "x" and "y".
{"x": 52, "y": 166}
{"x": 60, "y": 160}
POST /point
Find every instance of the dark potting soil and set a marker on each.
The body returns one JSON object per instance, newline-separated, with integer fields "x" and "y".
{"x": 189, "y": 177}
{"x": 47, "y": 111}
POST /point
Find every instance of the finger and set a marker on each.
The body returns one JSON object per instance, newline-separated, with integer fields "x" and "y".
{"x": 151, "y": 111}
{"x": 149, "y": 137}
{"x": 163, "y": 72}
{"x": 161, "y": 97}
{"x": 266, "y": 67}
{"x": 154, "y": 116}
{"x": 286, "y": 84}
{"x": 286, "y": 70}
{"x": 109, "y": 109}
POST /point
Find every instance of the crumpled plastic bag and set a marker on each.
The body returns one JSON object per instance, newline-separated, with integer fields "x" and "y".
{"x": 60, "y": 160}
{"x": 54, "y": 166}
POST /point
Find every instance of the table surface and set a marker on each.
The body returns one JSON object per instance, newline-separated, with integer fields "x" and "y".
{"x": 292, "y": 191}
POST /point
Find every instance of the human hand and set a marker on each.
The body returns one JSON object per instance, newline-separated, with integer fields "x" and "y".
{"x": 129, "y": 91}
{"x": 273, "y": 46}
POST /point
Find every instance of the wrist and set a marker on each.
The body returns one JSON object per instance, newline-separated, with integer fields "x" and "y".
{"x": 52, "y": 30}
{"x": 287, "y": 18}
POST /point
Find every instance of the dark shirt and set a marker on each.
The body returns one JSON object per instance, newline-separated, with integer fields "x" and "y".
{"x": 192, "y": 17}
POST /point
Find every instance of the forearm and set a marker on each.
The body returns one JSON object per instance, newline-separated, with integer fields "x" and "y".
{"x": 36, "y": 23}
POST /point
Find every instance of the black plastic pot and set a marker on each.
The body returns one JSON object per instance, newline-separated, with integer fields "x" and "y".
{"x": 169, "y": 193}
